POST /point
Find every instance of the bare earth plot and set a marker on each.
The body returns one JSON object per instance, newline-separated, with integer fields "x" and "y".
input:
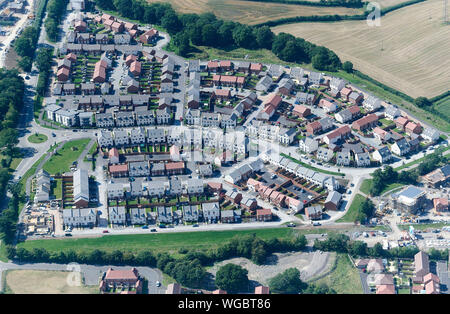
{"x": 409, "y": 51}
{"x": 253, "y": 12}
{"x": 43, "y": 282}
{"x": 309, "y": 264}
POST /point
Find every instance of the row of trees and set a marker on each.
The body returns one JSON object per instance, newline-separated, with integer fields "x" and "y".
{"x": 55, "y": 12}
{"x": 321, "y": 3}
{"x": 188, "y": 270}
{"x": 206, "y": 30}
{"x": 12, "y": 88}
{"x": 26, "y": 44}
{"x": 365, "y": 211}
{"x": 382, "y": 178}
{"x": 234, "y": 279}
{"x": 341, "y": 243}
{"x": 44, "y": 59}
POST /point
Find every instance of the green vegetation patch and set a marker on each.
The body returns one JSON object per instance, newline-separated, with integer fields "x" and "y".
{"x": 352, "y": 213}
{"x": 344, "y": 278}
{"x": 62, "y": 160}
{"x": 163, "y": 242}
{"x": 37, "y": 138}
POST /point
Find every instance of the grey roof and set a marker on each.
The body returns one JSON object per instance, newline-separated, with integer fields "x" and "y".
{"x": 411, "y": 192}
{"x": 334, "y": 197}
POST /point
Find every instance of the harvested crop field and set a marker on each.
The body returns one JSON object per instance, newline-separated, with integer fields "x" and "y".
{"x": 253, "y": 12}
{"x": 311, "y": 264}
{"x": 43, "y": 282}
{"x": 408, "y": 52}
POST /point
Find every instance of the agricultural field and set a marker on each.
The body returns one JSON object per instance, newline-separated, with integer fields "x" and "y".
{"x": 407, "y": 52}
{"x": 250, "y": 12}
{"x": 42, "y": 282}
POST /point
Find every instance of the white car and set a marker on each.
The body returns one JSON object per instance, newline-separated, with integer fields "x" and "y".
{"x": 158, "y": 284}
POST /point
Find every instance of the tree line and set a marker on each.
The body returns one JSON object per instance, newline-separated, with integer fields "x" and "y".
{"x": 55, "y": 12}
{"x": 188, "y": 30}
{"x": 26, "y": 44}
{"x": 341, "y": 243}
{"x": 189, "y": 270}
{"x": 321, "y": 3}
{"x": 234, "y": 279}
{"x": 382, "y": 178}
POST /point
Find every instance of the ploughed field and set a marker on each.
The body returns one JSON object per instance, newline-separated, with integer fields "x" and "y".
{"x": 409, "y": 51}
{"x": 253, "y": 12}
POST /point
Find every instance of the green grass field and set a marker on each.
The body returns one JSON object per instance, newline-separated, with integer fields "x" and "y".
{"x": 423, "y": 226}
{"x": 61, "y": 161}
{"x": 164, "y": 242}
{"x": 350, "y": 216}
{"x": 37, "y": 138}
{"x": 367, "y": 184}
{"x": 344, "y": 278}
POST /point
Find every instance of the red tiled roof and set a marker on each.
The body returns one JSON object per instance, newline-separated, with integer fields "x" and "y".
{"x": 118, "y": 168}
{"x": 274, "y": 100}
{"x": 213, "y": 64}
{"x": 228, "y": 79}
{"x": 385, "y": 289}
{"x": 366, "y": 120}
{"x": 113, "y": 152}
{"x": 256, "y": 67}
{"x": 122, "y": 274}
{"x": 174, "y": 165}
{"x": 222, "y": 92}
{"x": 263, "y": 212}
{"x": 225, "y": 63}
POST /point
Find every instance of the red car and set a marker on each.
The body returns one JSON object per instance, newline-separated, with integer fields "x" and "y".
{"x": 105, "y": 231}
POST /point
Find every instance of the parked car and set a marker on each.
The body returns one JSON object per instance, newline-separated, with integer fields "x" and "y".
{"x": 144, "y": 227}
{"x": 105, "y": 231}
{"x": 153, "y": 230}
{"x": 158, "y": 284}
{"x": 195, "y": 225}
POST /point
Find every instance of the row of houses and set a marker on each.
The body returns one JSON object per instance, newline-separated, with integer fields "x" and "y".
{"x": 174, "y": 186}
{"x": 212, "y": 138}
{"x": 266, "y": 131}
{"x": 320, "y": 179}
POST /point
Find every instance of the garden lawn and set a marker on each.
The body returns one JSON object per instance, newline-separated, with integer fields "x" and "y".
{"x": 352, "y": 212}
{"x": 62, "y": 160}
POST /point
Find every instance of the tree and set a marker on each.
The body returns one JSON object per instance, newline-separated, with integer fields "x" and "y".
{"x": 171, "y": 23}
{"x": 422, "y": 102}
{"x": 232, "y": 278}
{"x": 264, "y": 37}
{"x": 288, "y": 282}
{"x": 243, "y": 36}
{"x": 347, "y": 66}
{"x": 25, "y": 63}
{"x": 358, "y": 248}
{"x": 319, "y": 289}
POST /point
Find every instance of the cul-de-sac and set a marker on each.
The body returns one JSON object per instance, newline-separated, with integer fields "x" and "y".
{"x": 221, "y": 147}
